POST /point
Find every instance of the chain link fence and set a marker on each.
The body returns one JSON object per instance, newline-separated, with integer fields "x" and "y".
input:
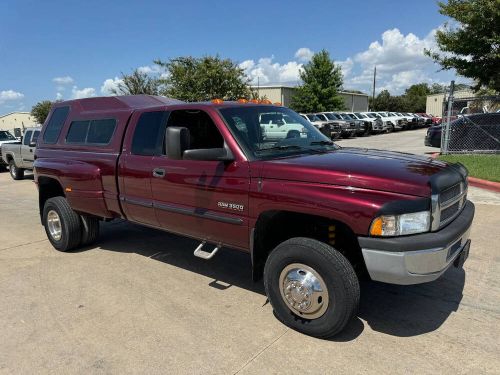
{"x": 471, "y": 124}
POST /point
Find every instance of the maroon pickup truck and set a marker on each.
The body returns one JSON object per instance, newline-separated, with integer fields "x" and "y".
{"x": 313, "y": 216}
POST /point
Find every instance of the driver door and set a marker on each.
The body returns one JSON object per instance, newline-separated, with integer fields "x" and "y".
{"x": 204, "y": 199}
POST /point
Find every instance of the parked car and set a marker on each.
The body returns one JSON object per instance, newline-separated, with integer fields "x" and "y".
{"x": 275, "y": 125}
{"x": 348, "y": 125}
{"x": 416, "y": 121}
{"x": 378, "y": 125}
{"x": 389, "y": 122}
{"x": 330, "y": 128}
{"x": 347, "y": 128}
{"x": 468, "y": 133}
{"x": 19, "y": 155}
{"x": 361, "y": 126}
{"x": 369, "y": 123}
{"x": 428, "y": 119}
{"x": 311, "y": 215}
{"x": 5, "y": 138}
{"x": 400, "y": 120}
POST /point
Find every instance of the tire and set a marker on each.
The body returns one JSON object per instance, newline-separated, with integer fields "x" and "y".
{"x": 293, "y": 134}
{"x": 390, "y": 128}
{"x": 90, "y": 230}
{"x": 15, "y": 172}
{"x": 57, "y": 213}
{"x": 323, "y": 318}
{"x": 368, "y": 131}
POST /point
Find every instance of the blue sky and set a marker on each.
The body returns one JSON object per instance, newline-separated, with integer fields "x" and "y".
{"x": 66, "y": 49}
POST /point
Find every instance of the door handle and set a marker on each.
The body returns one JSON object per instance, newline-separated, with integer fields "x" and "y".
{"x": 31, "y": 150}
{"x": 158, "y": 172}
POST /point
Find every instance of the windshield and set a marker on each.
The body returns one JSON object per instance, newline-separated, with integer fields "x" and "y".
{"x": 329, "y": 116}
{"x": 6, "y": 136}
{"x": 313, "y": 118}
{"x": 264, "y": 140}
{"x": 371, "y": 115}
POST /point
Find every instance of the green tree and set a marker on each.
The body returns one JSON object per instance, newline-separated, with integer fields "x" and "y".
{"x": 472, "y": 47}
{"x": 384, "y": 101}
{"x": 322, "y": 80}
{"x": 41, "y": 110}
{"x": 415, "y": 97}
{"x": 137, "y": 83}
{"x": 205, "y": 78}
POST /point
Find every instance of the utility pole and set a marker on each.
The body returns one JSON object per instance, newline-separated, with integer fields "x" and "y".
{"x": 374, "y": 78}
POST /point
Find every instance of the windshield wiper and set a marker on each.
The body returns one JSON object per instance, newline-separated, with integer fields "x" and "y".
{"x": 321, "y": 143}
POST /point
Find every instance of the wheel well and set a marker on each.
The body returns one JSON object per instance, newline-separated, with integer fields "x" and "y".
{"x": 9, "y": 158}
{"x": 48, "y": 188}
{"x": 274, "y": 227}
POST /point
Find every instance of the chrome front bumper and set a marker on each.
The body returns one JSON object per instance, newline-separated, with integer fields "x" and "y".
{"x": 401, "y": 261}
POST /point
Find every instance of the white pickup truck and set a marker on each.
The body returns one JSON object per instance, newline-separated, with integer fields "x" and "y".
{"x": 19, "y": 156}
{"x": 5, "y": 137}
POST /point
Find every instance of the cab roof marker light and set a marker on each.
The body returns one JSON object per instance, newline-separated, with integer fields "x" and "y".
{"x": 217, "y": 101}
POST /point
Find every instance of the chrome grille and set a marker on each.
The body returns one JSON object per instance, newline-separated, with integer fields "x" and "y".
{"x": 450, "y": 211}
{"x": 448, "y": 204}
{"x": 450, "y": 193}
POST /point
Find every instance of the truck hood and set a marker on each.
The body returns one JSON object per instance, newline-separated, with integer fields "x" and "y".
{"x": 11, "y": 141}
{"x": 362, "y": 168}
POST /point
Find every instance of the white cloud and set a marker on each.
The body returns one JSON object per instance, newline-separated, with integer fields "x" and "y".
{"x": 265, "y": 71}
{"x": 59, "y": 96}
{"x": 66, "y": 80}
{"x": 304, "y": 54}
{"x": 77, "y": 93}
{"x": 109, "y": 85}
{"x": 400, "y": 62}
{"x": 10, "y": 95}
{"x": 346, "y": 66}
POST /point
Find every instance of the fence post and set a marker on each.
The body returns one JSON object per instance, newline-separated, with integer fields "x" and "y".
{"x": 445, "y": 131}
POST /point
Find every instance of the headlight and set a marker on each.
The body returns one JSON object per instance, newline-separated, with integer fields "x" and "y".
{"x": 400, "y": 225}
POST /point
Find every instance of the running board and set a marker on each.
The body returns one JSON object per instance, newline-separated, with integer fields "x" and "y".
{"x": 205, "y": 254}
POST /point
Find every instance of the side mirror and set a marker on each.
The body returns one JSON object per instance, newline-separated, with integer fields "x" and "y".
{"x": 177, "y": 140}
{"x": 209, "y": 154}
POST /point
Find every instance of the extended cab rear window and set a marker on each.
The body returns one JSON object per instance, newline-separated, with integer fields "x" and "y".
{"x": 149, "y": 132}
{"x": 92, "y": 132}
{"x": 55, "y": 124}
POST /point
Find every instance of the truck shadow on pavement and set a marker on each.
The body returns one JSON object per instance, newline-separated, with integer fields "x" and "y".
{"x": 401, "y": 311}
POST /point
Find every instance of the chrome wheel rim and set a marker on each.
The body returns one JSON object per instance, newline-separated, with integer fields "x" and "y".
{"x": 13, "y": 170}
{"x": 54, "y": 225}
{"x": 304, "y": 291}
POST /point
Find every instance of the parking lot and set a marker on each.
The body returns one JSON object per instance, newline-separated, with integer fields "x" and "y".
{"x": 139, "y": 302}
{"x": 404, "y": 141}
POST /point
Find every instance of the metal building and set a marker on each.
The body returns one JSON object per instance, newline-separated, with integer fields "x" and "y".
{"x": 434, "y": 103}
{"x": 284, "y": 93}
{"x": 16, "y": 120}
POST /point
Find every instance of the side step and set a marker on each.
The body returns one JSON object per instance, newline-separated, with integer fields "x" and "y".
{"x": 205, "y": 254}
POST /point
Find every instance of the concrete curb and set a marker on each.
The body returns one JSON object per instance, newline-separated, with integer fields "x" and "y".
{"x": 485, "y": 184}
{"x": 478, "y": 182}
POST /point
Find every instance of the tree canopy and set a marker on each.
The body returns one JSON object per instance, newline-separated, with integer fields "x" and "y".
{"x": 322, "y": 80}
{"x": 472, "y": 45}
{"x": 137, "y": 83}
{"x": 41, "y": 110}
{"x": 413, "y": 100}
{"x": 205, "y": 78}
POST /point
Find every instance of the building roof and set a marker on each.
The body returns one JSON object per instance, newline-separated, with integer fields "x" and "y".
{"x": 294, "y": 87}
{"x": 15, "y": 112}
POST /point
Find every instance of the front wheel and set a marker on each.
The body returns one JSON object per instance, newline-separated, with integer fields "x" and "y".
{"x": 15, "y": 172}
{"x": 311, "y": 287}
